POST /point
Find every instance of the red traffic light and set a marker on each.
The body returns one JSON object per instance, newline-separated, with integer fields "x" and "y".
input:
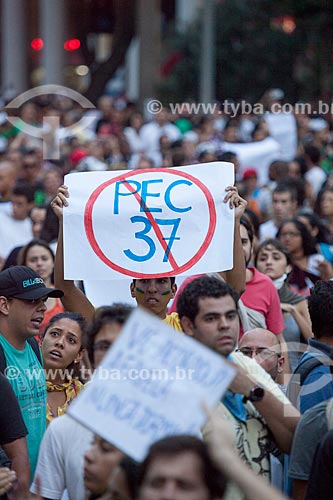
{"x": 37, "y": 44}
{"x": 72, "y": 44}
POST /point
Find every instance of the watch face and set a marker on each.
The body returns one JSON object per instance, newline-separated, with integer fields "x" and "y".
{"x": 257, "y": 393}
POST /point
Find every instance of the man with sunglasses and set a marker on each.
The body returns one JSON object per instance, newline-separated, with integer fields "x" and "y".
{"x": 22, "y": 305}
{"x": 263, "y": 346}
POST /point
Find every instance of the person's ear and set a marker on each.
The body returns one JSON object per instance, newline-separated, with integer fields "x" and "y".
{"x": 132, "y": 288}
{"x": 288, "y": 268}
{"x": 281, "y": 364}
{"x": 79, "y": 356}
{"x": 4, "y": 305}
{"x": 187, "y": 326}
{"x": 173, "y": 290}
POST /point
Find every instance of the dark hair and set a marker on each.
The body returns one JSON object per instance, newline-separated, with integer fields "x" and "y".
{"x": 248, "y": 226}
{"x": 50, "y": 227}
{"x": 227, "y": 156}
{"x": 308, "y": 242}
{"x": 176, "y": 445}
{"x": 313, "y": 153}
{"x": 131, "y": 469}
{"x": 302, "y": 163}
{"x": 201, "y": 288}
{"x": 22, "y": 258}
{"x": 279, "y": 169}
{"x": 320, "y": 305}
{"x": 323, "y": 235}
{"x": 253, "y": 219}
{"x": 116, "y": 313}
{"x": 287, "y": 187}
{"x": 172, "y": 279}
{"x": 319, "y": 199}
{"x": 24, "y": 189}
{"x": 274, "y": 243}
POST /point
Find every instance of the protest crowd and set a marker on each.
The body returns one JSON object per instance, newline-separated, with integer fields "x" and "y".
{"x": 270, "y": 317}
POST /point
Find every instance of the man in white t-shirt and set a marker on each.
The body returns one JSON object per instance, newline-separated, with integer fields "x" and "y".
{"x": 8, "y": 175}
{"x": 16, "y": 227}
{"x": 284, "y": 204}
{"x": 315, "y": 175}
{"x": 152, "y": 132}
{"x": 61, "y": 454}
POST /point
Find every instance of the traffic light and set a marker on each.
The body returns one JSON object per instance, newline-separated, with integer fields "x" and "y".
{"x": 72, "y": 44}
{"x": 37, "y": 44}
{"x": 69, "y": 45}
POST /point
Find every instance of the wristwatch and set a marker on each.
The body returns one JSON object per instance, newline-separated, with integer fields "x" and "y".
{"x": 256, "y": 394}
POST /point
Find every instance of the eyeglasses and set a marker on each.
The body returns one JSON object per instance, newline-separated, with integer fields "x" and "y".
{"x": 102, "y": 345}
{"x": 263, "y": 352}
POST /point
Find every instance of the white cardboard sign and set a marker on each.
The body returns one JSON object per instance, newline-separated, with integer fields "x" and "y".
{"x": 148, "y": 223}
{"x": 151, "y": 384}
{"x": 258, "y": 155}
{"x": 283, "y": 128}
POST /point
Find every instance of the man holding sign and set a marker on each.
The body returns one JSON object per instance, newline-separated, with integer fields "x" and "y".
{"x": 154, "y": 292}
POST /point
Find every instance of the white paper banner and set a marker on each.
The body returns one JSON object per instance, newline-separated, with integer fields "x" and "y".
{"x": 151, "y": 384}
{"x": 258, "y": 155}
{"x": 283, "y": 128}
{"x": 148, "y": 223}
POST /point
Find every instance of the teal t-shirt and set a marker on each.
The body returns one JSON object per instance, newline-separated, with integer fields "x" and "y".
{"x": 27, "y": 378}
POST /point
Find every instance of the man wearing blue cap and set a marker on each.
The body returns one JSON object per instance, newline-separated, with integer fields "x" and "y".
{"x": 22, "y": 305}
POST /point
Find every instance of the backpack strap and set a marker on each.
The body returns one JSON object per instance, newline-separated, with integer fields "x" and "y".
{"x": 307, "y": 366}
{"x": 300, "y": 374}
{"x": 3, "y": 363}
{"x": 35, "y": 347}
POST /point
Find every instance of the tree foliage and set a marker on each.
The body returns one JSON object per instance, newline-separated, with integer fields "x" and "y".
{"x": 254, "y": 53}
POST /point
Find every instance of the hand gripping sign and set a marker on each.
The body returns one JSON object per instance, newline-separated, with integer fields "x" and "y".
{"x": 151, "y": 384}
{"x": 145, "y": 223}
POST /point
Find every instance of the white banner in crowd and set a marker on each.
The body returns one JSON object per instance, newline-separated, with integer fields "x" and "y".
{"x": 150, "y": 384}
{"x": 283, "y": 128}
{"x": 258, "y": 155}
{"x": 144, "y": 223}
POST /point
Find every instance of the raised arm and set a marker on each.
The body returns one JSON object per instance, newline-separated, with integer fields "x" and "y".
{"x": 74, "y": 299}
{"x": 221, "y": 447}
{"x": 301, "y": 314}
{"x": 280, "y": 415}
{"x": 236, "y": 277}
